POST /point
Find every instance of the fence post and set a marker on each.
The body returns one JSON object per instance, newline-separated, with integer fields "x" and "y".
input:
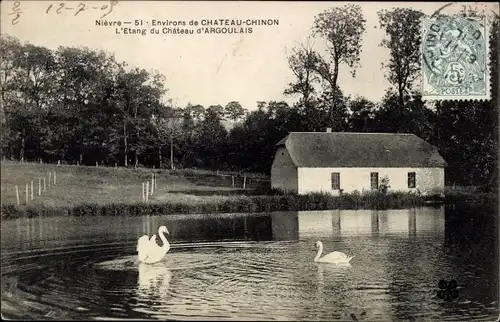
{"x": 244, "y": 182}
{"x": 155, "y": 181}
{"x": 116, "y": 166}
{"x": 58, "y": 162}
{"x": 39, "y": 186}
{"x": 152, "y": 183}
{"x": 77, "y": 163}
{"x": 44, "y": 185}
{"x": 143, "y": 196}
{"x": 50, "y": 176}
{"x": 54, "y": 178}
{"x": 17, "y": 195}
{"x": 232, "y": 180}
{"x": 97, "y": 164}
{"x": 27, "y": 199}
{"x": 31, "y": 189}
{"x": 147, "y": 190}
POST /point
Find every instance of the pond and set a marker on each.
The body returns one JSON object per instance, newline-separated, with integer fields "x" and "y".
{"x": 255, "y": 266}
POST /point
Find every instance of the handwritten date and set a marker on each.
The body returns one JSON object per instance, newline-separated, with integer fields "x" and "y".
{"x": 62, "y": 7}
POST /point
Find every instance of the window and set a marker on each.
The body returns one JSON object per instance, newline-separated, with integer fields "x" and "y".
{"x": 412, "y": 180}
{"x": 336, "y": 180}
{"x": 374, "y": 180}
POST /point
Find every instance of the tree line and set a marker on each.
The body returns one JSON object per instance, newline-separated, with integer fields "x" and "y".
{"x": 80, "y": 105}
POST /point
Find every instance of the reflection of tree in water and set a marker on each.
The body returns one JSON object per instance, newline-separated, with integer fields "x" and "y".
{"x": 471, "y": 237}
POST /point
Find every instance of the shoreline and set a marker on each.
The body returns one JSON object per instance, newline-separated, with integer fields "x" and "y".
{"x": 242, "y": 204}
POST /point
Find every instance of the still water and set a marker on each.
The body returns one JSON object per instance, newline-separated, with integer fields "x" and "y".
{"x": 255, "y": 266}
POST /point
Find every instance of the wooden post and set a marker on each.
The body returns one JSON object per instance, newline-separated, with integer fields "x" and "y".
{"x": 97, "y": 164}
{"x": 58, "y": 162}
{"x": 217, "y": 172}
{"x": 31, "y": 189}
{"x": 40, "y": 160}
{"x": 143, "y": 196}
{"x": 147, "y": 191}
{"x": 232, "y": 180}
{"x": 77, "y": 163}
{"x": 116, "y": 166}
{"x": 27, "y": 199}
{"x": 17, "y": 195}
{"x": 155, "y": 181}
{"x": 39, "y": 186}
{"x": 152, "y": 183}
{"x": 50, "y": 176}
{"x": 54, "y": 178}
{"x": 244, "y": 182}
{"x": 44, "y": 185}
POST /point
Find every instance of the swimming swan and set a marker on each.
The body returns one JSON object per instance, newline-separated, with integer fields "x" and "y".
{"x": 334, "y": 257}
{"x": 148, "y": 250}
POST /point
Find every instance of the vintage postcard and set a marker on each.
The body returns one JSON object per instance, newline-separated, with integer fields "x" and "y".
{"x": 249, "y": 160}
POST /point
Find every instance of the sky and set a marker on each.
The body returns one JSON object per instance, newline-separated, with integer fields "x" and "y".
{"x": 208, "y": 69}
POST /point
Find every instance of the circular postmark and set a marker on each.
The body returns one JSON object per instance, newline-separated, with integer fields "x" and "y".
{"x": 454, "y": 52}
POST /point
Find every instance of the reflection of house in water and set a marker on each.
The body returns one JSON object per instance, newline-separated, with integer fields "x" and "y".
{"x": 373, "y": 222}
{"x": 385, "y": 222}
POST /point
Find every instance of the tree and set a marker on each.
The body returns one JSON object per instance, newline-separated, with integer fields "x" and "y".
{"x": 217, "y": 109}
{"x": 362, "y": 114}
{"x": 169, "y": 125}
{"x": 234, "y": 111}
{"x": 301, "y": 62}
{"x": 211, "y": 136}
{"x": 402, "y": 25}
{"x": 197, "y": 111}
{"x": 342, "y": 28}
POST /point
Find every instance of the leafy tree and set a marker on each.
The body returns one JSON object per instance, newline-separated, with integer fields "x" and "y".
{"x": 362, "y": 114}
{"x": 301, "y": 62}
{"x": 234, "y": 111}
{"x": 402, "y": 26}
{"x": 342, "y": 28}
{"x": 197, "y": 112}
{"x": 215, "y": 110}
{"x": 211, "y": 135}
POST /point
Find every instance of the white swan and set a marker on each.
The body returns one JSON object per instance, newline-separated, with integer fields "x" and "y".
{"x": 149, "y": 251}
{"x": 334, "y": 257}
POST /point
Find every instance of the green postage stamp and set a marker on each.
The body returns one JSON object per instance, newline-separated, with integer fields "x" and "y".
{"x": 455, "y": 58}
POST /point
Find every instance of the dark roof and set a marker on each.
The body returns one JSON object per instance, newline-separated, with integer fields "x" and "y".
{"x": 347, "y": 149}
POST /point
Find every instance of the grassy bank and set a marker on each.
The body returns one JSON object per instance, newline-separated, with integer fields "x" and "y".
{"x": 315, "y": 201}
{"x": 92, "y": 191}
{"x": 76, "y": 185}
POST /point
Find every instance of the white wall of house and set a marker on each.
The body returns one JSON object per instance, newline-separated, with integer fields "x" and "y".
{"x": 283, "y": 171}
{"x": 428, "y": 180}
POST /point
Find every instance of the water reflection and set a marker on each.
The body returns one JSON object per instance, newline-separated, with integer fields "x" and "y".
{"x": 153, "y": 280}
{"x": 266, "y": 272}
{"x": 339, "y": 223}
{"x": 29, "y": 234}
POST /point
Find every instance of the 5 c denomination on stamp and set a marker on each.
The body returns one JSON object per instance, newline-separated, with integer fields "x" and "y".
{"x": 455, "y": 58}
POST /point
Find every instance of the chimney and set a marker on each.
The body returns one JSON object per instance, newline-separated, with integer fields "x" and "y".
{"x": 328, "y": 129}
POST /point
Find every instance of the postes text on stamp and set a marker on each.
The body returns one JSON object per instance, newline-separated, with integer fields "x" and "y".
{"x": 455, "y": 57}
